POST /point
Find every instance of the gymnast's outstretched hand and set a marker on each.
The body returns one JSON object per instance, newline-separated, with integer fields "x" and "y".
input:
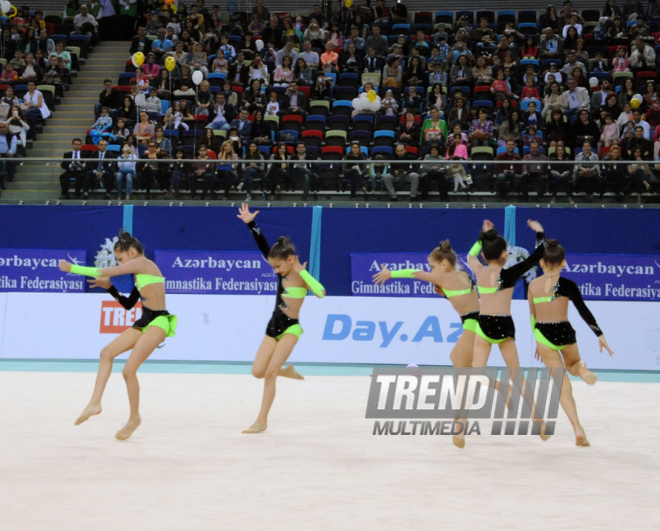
{"x": 382, "y": 277}
{"x": 245, "y": 215}
{"x": 65, "y": 266}
{"x": 603, "y": 345}
{"x": 99, "y": 282}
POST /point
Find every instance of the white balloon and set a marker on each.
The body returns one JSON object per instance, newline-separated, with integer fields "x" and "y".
{"x": 593, "y": 81}
{"x": 198, "y": 77}
{"x": 638, "y": 97}
{"x": 356, "y": 103}
{"x": 363, "y": 96}
{"x": 259, "y": 44}
{"x": 374, "y": 106}
{"x": 5, "y": 6}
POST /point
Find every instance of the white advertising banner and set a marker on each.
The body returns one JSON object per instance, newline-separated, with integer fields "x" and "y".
{"x": 336, "y": 329}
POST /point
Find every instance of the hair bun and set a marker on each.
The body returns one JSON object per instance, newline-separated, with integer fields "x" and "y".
{"x": 445, "y": 246}
{"x": 489, "y": 235}
{"x": 551, "y": 243}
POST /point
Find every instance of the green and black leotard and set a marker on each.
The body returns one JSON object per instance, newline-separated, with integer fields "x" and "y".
{"x": 280, "y": 323}
{"x": 497, "y": 328}
{"x": 556, "y": 335}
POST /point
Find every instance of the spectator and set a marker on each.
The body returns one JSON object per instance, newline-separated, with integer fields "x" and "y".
{"x": 433, "y": 172}
{"x": 481, "y": 130}
{"x": 401, "y": 171}
{"x": 144, "y": 131}
{"x": 561, "y": 173}
{"x": 140, "y": 43}
{"x": 243, "y": 125}
{"x": 98, "y": 171}
{"x": 203, "y": 169}
{"x": 253, "y": 169}
{"x": 109, "y": 97}
{"x": 34, "y": 103}
{"x": 179, "y": 170}
{"x": 583, "y": 129}
{"x": 152, "y": 171}
{"x": 536, "y": 169}
{"x": 587, "y": 174}
{"x": 640, "y": 173}
{"x": 74, "y": 170}
{"x": 226, "y": 170}
{"x": 355, "y": 170}
{"x": 507, "y": 174}
{"x": 278, "y": 172}
{"x": 615, "y": 174}
{"x": 575, "y": 98}
{"x": 409, "y": 130}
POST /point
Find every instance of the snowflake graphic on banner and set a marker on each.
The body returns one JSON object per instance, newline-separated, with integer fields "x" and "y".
{"x": 517, "y": 255}
{"x": 106, "y": 256}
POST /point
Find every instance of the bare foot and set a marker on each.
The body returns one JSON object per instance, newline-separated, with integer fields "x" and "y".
{"x": 581, "y": 437}
{"x": 588, "y": 376}
{"x": 257, "y": 427}
{"x": 128, "y": 430}
{"x": 87, "y": 412}
{"x": 459, "y": 439}
{"x": 290, "y": 372}
{"x": 543, "y": 435}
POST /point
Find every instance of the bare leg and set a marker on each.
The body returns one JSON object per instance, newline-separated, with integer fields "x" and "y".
{"x": 280, "y": 355}
{"x": 461, "y": 354}
{"x": 481, "y": 352}
{"x": 150, "y": 339}
{"x": 552, "y": 359}
{"x": 126, "y": 341}
{"x": 510, "y": 355}
{"x": 576, "y": 366}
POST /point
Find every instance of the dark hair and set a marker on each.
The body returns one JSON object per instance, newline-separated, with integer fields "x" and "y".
{"x": 554, "y": 253}
{"x": 282, "y": 249}
{"x": 443, "y": 252}
{"x": 493, "y": 244}
{"x": 126, "y": 241}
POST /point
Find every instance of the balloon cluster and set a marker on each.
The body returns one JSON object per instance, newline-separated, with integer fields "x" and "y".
{"x": 170, "y": 4}
{"x": 368, "y": 101}
{"x": 636, "y": 101}
{"x": 99, "y": 134}
{"x": 6, "y": 7}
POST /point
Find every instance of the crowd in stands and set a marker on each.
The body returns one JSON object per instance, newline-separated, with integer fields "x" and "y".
{"x": 36, "y": 67}
{"x": 456, "y": 89}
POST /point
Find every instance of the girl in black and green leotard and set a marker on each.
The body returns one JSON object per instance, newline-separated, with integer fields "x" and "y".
{"x": 548, "y": 301}
{"x": 459, "y": 289}
{"x": 283, "y": 330}
{"x": 495, "y": 284}
{"x": 146, "y": 334}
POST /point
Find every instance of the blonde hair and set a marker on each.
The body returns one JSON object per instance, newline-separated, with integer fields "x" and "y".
{"x": 223, "y": 152}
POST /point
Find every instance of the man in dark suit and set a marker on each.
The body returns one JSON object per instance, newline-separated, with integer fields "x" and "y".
{"x": 238, "y": 71}
{"x": 99, "y": 171}
{"x": 243, "y": 125}
{"x": 73, "y": 169}
{"x": 295, "y": 101}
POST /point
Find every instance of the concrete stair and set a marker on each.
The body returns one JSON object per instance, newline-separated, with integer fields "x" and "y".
{"x": 39, "y": 181}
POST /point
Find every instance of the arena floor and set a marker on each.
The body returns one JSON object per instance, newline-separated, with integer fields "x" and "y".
{"x": 318, "y": 466}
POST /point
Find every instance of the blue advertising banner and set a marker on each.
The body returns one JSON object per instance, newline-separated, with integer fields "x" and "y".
{"x": 365, "y": 265}
{"x": 614, "y": 277}
{"x": 216, "y": 272}
{"x": 38, "y": 270}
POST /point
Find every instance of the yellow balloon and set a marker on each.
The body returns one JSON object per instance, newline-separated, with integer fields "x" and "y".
{"x": 138, "y": 59}
{"x": 348, "y": 3}
{"x": 371, "y": 96}
{"x": 170, "y": 64}
{"x": 634, "y": 104}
